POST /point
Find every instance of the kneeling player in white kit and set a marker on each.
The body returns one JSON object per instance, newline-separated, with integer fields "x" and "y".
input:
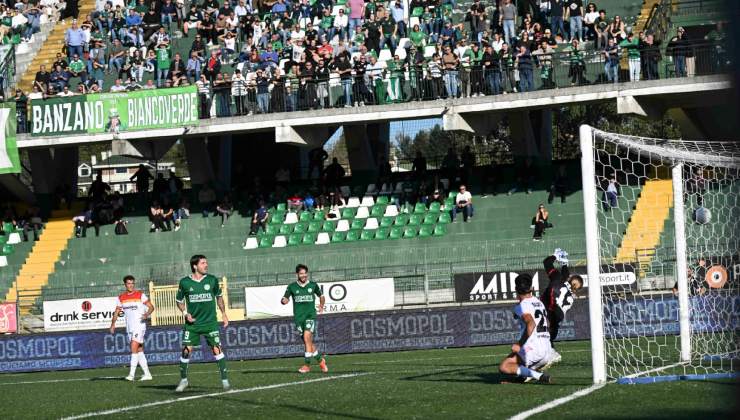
{"x": 137, "y": 308}
{"x": 533, "y": 350}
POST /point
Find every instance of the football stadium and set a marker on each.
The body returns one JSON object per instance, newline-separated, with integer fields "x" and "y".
{"x": 362, "y": 209}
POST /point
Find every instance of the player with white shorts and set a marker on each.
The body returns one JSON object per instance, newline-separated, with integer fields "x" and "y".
{"x": 533, "y": 351}
{"x": 137, "y": 309}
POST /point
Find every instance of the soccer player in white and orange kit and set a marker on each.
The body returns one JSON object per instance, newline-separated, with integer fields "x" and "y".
{"x": 137, "y": 309}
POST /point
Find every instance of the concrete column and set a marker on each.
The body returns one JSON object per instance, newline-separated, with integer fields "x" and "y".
{"x": 224, "y": 161}
{"x": 66, "y": 161}
{"x": 199, "y": 161}
{"x": 531, "y": 132}
{"x": 42, "y": 177}
{"x": 545, "y": 139}
{"x": 146, "y": 149}
{"x": 379, "y": 139}
{"x": 359, "y": 151}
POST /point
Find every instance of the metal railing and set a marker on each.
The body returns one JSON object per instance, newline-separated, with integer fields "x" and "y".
{"x": 7, "y": 69}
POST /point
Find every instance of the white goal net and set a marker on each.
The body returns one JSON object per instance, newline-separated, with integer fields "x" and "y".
{"x": 662, "y": 231}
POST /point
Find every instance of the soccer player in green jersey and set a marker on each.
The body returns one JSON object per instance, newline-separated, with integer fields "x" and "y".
{"x": 303, "y": 293}
{"x": 197, "y": 297}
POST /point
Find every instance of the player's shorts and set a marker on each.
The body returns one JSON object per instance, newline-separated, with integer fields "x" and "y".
{"x": 306, "y": 325}
{"x": 191, "y": 335}
{"x": 136, "y": 335}
{"x": 537, "y": 354}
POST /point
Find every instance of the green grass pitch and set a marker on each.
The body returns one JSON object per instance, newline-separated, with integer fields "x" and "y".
{"x": 449, "y": 384}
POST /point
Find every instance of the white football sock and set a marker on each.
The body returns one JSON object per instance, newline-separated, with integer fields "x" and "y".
{"x": 143, "y": 363}
{"x": 134, "y": 362}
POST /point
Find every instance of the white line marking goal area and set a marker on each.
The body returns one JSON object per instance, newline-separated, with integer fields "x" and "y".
{"x": 560, "y": 401}
{"x": 210, "y": 395}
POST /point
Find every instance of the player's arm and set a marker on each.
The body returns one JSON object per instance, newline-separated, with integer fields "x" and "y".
{"x": 531, "y": 325}
{"x": 114, "y": 319}
{"x": 149, "y": 310}
{"x": 180, "y": 301}
{"x": 222, "y": 308}
{"x": 322, "y": 299}
{"x": 286, "y": 296}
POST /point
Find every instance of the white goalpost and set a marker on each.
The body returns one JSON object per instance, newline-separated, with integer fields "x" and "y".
{"x": 662, "y": 222}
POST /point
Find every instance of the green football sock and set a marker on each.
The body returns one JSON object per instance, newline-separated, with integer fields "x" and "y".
{"x": 307, "y": 358}
{"x": 221, "y": 362}
{"x": 184, "y": 368}
{"x": 318, "y": 356}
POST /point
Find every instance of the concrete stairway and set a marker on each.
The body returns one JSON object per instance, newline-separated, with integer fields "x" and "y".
{"x": 51, "y": 46}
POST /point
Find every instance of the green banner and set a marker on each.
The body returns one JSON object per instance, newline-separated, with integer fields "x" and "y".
{"x": 115, "y": 112}
{"x": 9, "y": 161}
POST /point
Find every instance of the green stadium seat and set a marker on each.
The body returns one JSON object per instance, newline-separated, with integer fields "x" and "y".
{"x": 318, "y": 216}
{"x": 444, "y": 218}
{"x": 281, "y": 207}
{"x": 367, "y": 235}
{"x": 314, "y": 227}
{"x": 409, "y": 232}
{"x": 415, "y": 220}
{"x": 383, "y": 199}
{"x": 452, "y": 194}
{"x": 266, "y": 241}
{"x": 402, "y": 219}
{"x": 338, "y": 236}
{"x": 353, "y": 235}
{"x": 434, "y": 207}
{"x": 305, "y": 217}
{"x": 309, "y": 238}
{"x": 286, "y": 229}
{"x": 382, "y": 233}
{"x": 417, "y": 12}
{"x": 426, "y": 231}
{"x": 7, "y": 249}
{"x": 430, "y": 218}
{"x": 272, "y": 229}
{"x": 396, "y": 232}
{"x": 420, "y": 208}
{"x": 440, "y": 230}
{"x": 329, "y": 226}
{"x": 386, "y": 222}
{"x": 449, "y": 202}
{"x": 3, "y": 239}
{"x": 377, "y": 211}
{"x": 357, "y": 224}
{"x": 348, "y": 213}
{"x": 277, "y": 218}
{"x": 295, "y": 239}
{"x": 300, "y": 227}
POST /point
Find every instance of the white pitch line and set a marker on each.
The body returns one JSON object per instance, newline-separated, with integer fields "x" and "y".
{"x": 378, "y": 362}
{"x": 213, "y": 394}
{"x": 557, "y": 402}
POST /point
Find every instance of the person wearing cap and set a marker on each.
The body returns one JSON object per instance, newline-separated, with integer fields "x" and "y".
{"x": 632, "y": 45}
{"x": 533, "y": 352}
{"x": 679, "y": 47}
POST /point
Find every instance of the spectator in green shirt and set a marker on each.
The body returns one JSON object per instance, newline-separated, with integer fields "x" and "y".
{"x": 77, "y": 68}
{"x": 163, "y": 64}
{"x": 417, "y": 37}
{"x": 632, "y": 45}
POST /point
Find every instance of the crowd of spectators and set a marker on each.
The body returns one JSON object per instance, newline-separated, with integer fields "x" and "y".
{"x": 249, "y": 57}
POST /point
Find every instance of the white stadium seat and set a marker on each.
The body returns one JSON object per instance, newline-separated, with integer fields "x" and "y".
{"x": 291, "y": 218}
{"x": 251, "y": 243}
{"x": 14, "y": 238}
{"x": 371, "y": 224}
{"x": 280, "y": 242}
{"x": 391, "y": 211}
{"x": 343, "y": 225}
{"x": 323, "y": 239}
{"x": 3, "y": 261}
{"x": 367, "y": 201}
{"x": 353, "y": 202}
{"x": 362, "y": 213}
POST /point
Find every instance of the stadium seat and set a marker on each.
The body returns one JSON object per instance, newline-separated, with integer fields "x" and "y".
{"x": 362, "y": 213}
{"x": 372, "y": 223}
{"x": 3, "y": 261}
{"x": 391, "y": 211}
{"x": 413, "y": 21}
{"x": 371, "y": 189}
{"x": 434, "y": 207}
{"x": 385, "y": 55}
{"x": 396, "y": 232}
{"x": 387, "y": 221}
{"x": 309, "y": 238}
{"x": 305, "y": 217}
{"x": 444, "y": 218}
{"x": 409, "y": 232}
{"x": 319, "y": 216}
{"x": 266, "y": 241}
{"x": 377, "y": 211}
{"x": 417, "y": 12}
{"x": 300, "y": 227}
{"x": 314, "y": 227}
{"x": 329, "y": 226}
{"x": 281, "y": 207}
{"x": 445, "y": 183}
{"x": 291, "y": 218}
{"x": 382, "y": 200}
{"x": 386, "y": 189}
{"x": 280, "y": 242}
{"x": 338, "y": 237}
{"x": 286, "y": 229}
{"x": 7, "y": 249}
{"x": 251, "y": 243}
{"x": 402, "y": 219}
{"x": 382, "y": 233}
{"x": 353, "y": 235}
{"x": 404, "y": 43}
{"x": 348, "y": 213}
{"x": 401, "y": 53}
{"x": 399, "y": 188}
{"x": 367, "y": 235}
{"x": 420, "y": 208}
{"x": 345, "y": 190}
{"x": 277, "y": 218}
{"x": 430, "y": 218}
{"x": 367, "y": 201}
{"x": 429, "y": 50}
{"x": 295, "y": 239}
{"x": 353, "y": 202}
{"x": 323, "y": 239}
{"x": 342, "y": 226}
{"x": 426, "y": 231}
{"x": 440, "y": 230}
{"x": 14, "y": 238}
{"x": 335, "y": 10}
{"x": 357, "y": 224}
{"x": 415, "y": 220}
{"x": 272, "y": 229}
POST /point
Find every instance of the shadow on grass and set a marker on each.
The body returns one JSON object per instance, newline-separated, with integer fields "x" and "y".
{"x": 303, "y": 410}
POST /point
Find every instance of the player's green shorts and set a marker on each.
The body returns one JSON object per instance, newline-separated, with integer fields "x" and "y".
{"x": 306, "y": 325}
{"x": 191, "y": 335}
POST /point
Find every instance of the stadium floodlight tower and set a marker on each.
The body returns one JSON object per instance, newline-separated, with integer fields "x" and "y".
{"x": 662, "y": 221}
